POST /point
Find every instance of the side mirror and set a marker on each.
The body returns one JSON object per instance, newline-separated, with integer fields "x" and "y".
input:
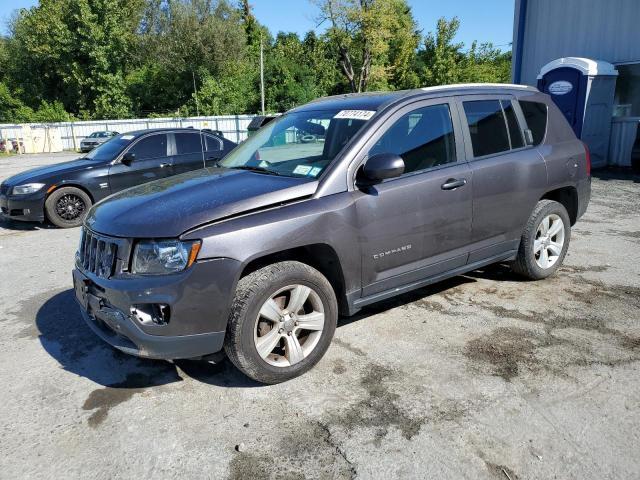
{"x": 382, "y": 166}
{"x": 128, "y": 158}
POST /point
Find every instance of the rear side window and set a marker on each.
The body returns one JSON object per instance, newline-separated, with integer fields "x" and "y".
{"x": 154, "y": 146}
{"x": 487, "y": 127}
{"x": 188, "y": 143}
{"x": 423, "y": 138}
{"x": 535, "y": 114}
{"x": 515, "y": 134}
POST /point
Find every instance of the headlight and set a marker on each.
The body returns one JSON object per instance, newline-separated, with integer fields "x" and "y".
{"x": 157, "y": 257}
{"x": 27, "y": 188}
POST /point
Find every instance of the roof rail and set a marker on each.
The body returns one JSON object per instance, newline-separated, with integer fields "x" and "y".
{"x": 479, "y": 85}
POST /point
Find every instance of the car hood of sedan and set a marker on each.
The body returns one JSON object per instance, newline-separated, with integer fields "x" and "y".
{"x": 168, "y": 207}
{"x": 51, "y": 172}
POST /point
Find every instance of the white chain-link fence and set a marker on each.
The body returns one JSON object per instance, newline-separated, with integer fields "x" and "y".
{"x": 233, "y": 127}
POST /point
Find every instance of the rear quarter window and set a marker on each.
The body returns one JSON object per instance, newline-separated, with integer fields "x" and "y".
{"x": 535, "y": 114}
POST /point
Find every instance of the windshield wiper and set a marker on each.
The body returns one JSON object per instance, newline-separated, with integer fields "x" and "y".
{"x": 256, "y": 169}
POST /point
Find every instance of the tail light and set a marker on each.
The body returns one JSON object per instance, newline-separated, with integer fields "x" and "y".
{"x": 587, "y": 156}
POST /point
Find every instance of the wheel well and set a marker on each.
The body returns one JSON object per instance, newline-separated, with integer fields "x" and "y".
{"x": 319, "y": 256}
{"x": 567, "y": 196}
{"x": 79, "y": 187}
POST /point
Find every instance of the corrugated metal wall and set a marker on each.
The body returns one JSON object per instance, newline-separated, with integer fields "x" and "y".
{"x": 234, "y": 127}
{"x": 599, "y": 29}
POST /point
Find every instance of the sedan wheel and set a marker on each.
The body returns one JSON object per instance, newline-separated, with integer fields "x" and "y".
{"x": 70, "y": 207}
{"x": 67, "y": 206}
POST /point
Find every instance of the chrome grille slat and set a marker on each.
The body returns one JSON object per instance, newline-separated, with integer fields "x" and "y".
{"x": 98, "y": 254}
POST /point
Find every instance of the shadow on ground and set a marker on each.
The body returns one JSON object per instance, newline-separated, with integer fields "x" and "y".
{"x": 617, "y": 174}
{"x": 9, "y": 224}
{"x": 64, "y": 335}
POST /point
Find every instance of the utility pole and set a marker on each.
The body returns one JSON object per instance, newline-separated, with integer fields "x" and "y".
{"x": 261, "y": 74}
{"x": 195, "y": 92}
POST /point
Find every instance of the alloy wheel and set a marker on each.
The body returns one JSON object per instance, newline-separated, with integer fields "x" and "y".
{"x": 547, "y": 246}
{"x": 289, "y": 325}
{"x": 70, "y": 207}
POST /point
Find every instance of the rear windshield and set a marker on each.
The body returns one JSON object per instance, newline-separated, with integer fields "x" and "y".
{"x": 535, "y": 114}
{"x": 298, "y": 144}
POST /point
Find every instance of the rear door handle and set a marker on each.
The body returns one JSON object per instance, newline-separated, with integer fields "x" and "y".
{"x": 453, "y": 183}
{"x": 162, "y": 165}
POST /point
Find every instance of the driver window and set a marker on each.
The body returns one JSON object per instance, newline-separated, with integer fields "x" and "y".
{"x": 153, "y": 146}
{"x": 423, "y": 138}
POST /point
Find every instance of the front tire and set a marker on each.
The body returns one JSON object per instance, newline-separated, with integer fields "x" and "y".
{"x": 544, "y": 242}
{"x": 66, "y": 207}
{"x": 282, "y": 321}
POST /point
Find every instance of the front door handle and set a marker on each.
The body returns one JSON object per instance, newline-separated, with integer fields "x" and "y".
{"x": 453, "y": 183}
{"x": 162, "y": 165}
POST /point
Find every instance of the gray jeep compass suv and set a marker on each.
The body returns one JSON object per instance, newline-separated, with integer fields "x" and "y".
{"x": 337, "y": 204}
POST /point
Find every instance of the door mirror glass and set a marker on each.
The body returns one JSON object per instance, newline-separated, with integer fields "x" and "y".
{"x": 382, "y": 166}
{"x": 128, "y": 158}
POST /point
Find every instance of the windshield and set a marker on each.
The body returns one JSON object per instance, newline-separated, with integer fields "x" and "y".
{"x": 100, "y": 135}
{"x": 110, "y": 149}
{"x": 300, "y": 144}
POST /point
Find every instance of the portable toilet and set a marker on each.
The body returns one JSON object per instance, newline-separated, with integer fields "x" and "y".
{"x": 583, "y": 89}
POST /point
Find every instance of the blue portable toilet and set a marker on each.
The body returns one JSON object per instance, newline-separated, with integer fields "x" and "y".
{"x": 583, "y": 89}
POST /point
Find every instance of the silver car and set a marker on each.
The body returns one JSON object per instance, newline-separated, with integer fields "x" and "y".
{"x": 96, "y": 138}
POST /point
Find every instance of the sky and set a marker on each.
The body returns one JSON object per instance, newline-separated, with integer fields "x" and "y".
{"x": 482, "y": 20}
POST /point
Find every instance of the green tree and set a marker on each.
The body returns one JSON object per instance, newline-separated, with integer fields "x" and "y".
{"x": 75, "y": 51}
{"x": 12, "y": 110}
{"x": 365, "y": 34}
{"x": 440, "y": 58}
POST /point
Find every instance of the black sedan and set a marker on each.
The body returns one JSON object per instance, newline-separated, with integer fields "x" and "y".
{"x": 63, "y": 192}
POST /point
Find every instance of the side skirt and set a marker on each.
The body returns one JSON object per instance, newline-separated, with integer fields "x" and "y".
{"x": 357, "y": 304}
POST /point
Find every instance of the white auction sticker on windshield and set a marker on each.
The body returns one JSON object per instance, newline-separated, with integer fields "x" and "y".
{"x": 302, "y": 169}
{"x": 355, "y": 114}
{"x": 127, "y": 137}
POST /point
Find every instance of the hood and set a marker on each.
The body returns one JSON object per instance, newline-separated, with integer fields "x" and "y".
{"x": 168, "y": 207}
{"x": 51, "y": 172}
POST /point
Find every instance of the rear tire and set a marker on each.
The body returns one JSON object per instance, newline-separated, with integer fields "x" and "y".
{"x": 544, "y": 242}
{"x": 282, "y": 321}
{"x": 66, "y": 207}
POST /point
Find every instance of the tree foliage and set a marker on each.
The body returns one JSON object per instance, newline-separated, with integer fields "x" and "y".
{"x": 66, "y": 59}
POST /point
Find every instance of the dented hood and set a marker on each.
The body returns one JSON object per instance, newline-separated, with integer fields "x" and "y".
{"x": 169, "y": 207}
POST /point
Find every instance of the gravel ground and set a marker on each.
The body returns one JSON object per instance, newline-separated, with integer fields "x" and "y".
{"x": 484, "y": 376}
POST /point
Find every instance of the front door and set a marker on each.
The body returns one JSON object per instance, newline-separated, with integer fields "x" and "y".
{"x": 418, "y": 225}
{"x": 151, "y": 163}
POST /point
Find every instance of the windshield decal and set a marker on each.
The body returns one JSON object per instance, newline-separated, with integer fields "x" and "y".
{"x": 355, "y": 114}
{"x": 314, "y": 171}
{"x": 301, "y": 169}
{"x": 126, "y": 137}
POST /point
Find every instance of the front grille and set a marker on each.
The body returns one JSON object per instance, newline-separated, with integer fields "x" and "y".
{"x": 4, "y": 189}
{"x": 98, "y": 254}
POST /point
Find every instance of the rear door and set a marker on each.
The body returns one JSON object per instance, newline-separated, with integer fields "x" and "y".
{"x": 151, "y": 163}
{"x": 417, "y": 225}
{"x": 189, "y": 151}
{"x": 508, "y": 176}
